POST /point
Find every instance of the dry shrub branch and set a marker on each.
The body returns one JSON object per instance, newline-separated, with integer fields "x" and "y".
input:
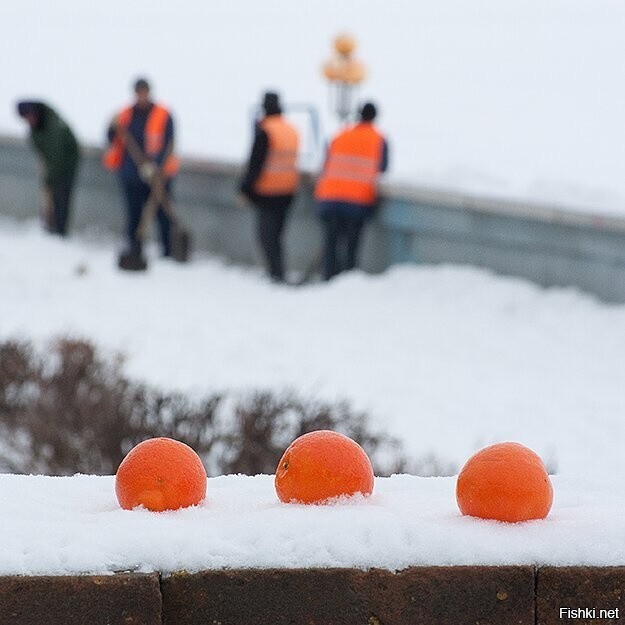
{"x": 71, "y": 409}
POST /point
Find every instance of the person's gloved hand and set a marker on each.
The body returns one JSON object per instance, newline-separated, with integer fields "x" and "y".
{"x": 147, "y": 171}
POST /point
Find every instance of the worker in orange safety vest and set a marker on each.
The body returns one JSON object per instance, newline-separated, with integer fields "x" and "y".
{"x": 346, "y": 191}
{"x": 150, "y": 127}
{"x": 271, "y": 180}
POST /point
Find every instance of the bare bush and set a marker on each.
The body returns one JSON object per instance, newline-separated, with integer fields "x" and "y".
{"x": 72, "y": 410}
{"x": 264, "y": 425}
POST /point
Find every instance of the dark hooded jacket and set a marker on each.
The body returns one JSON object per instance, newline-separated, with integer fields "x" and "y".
{"x": 56, "y": 144}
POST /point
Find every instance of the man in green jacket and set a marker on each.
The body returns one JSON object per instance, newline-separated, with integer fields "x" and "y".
{"x": 59, "y": 152}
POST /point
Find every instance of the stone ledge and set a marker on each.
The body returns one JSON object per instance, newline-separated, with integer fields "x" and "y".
{"x": 415, "y": 596}
{"x": 121, "y": 599}
{"x": 579, "y": 587}
{"x": 454, "y": 595}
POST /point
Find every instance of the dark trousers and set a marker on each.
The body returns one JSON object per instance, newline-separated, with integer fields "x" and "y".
{"x": 61, "y": 193}
{"x": 270, "y": 226}
{"x": 342, "y": 241}
{"x": 137, "y": 193}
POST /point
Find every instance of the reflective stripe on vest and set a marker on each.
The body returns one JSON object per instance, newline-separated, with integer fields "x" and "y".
{"x": 154, "y": 137}
{"x": 352, "y": 167}
{"x": 279, "y": 175}
{"x": 358, "y": 168}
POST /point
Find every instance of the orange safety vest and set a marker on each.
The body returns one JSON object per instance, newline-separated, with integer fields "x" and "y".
{"x": 154, "y": 138}
{"x": 279, "y": 175}
{"x": 352, "y": 167}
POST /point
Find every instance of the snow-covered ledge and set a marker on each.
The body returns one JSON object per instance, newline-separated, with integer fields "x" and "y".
{"x": 404, "y": 555}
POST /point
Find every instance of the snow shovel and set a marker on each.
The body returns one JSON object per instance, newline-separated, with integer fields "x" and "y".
{"x": 47, "y": 210}
{"x": 180, "y": 238}
{"x": 132, "y": 261}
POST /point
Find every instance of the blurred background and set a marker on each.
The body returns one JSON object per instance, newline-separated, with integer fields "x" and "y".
{"x": 490, "y": 307}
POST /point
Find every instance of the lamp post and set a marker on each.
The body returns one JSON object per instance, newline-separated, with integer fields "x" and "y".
{"x": 345, "y": 73}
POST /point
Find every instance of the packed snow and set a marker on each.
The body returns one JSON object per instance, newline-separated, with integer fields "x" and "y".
{"x": 513, "y": 98}
{"x": 75, "y": 525}
{"x": 446, "y": 358}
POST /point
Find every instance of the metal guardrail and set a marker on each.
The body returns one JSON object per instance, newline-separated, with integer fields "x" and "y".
{"x": 550, "y": 213}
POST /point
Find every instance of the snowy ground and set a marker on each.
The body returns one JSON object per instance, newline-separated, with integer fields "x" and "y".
{"x": 448, "y": 359}
{"x": 516, "y": 98}
{"x": 74, "y": 525}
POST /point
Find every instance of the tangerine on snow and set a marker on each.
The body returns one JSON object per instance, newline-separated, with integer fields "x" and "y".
{"x": 505, "y": 482}
{"x": 322, "y": 465}
{"x": 160, "y": 474}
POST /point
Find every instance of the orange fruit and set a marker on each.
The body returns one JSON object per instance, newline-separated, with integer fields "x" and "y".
{"x": 321, "y": 465}
{"x": 160, "y": 474}
{"x": 505, "y": 482}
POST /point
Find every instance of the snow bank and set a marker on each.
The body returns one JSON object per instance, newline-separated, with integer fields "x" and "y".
{"x": 448, "y": 359}
{"x": 74, "y": 525}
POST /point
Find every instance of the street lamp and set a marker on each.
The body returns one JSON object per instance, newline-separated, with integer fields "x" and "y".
{"x": 345, "y": 73}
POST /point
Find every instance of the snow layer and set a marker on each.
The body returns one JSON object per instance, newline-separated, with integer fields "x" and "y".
{"x": 74, "y": 525}
{"x": 517, "y": 98}
{"x": 448, "y": 359}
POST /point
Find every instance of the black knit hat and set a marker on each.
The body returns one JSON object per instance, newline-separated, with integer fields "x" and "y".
{"x": 271, "y": 103}
{"x": 141, "y": 84}
{"x": 368, "y": 112}
{"x": 28, "y": 107}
